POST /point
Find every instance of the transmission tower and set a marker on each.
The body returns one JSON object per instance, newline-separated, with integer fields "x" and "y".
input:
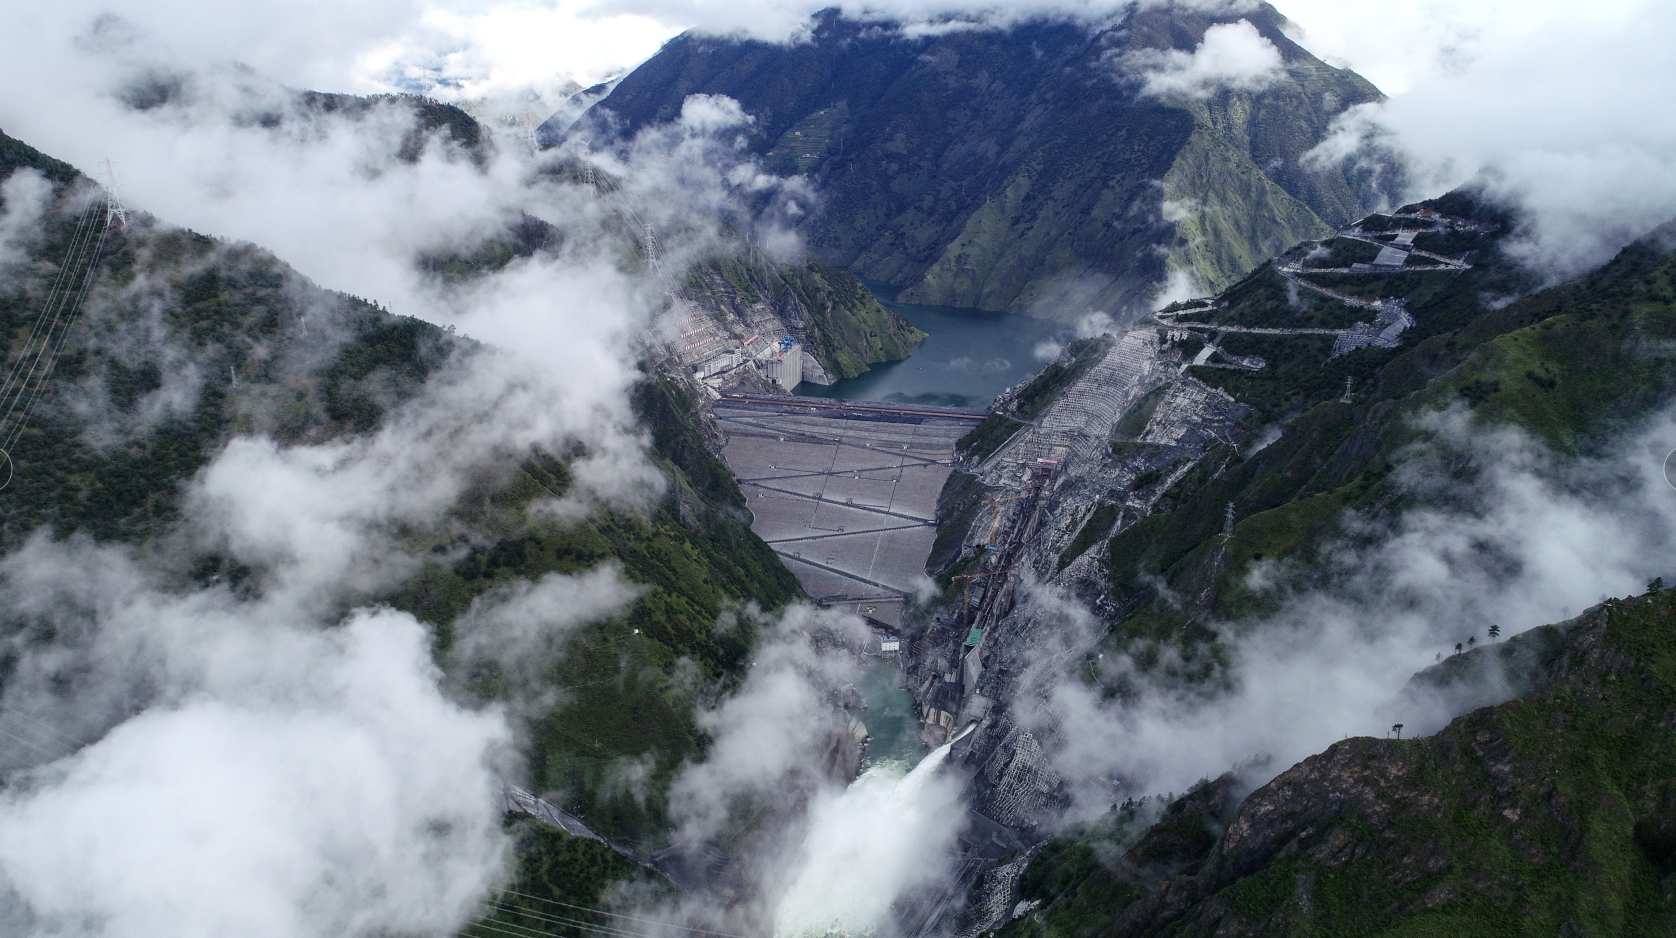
{"x": 1346, "y": 398}
{"x": 1228, "y": 521}
{"x": 114, "y": 209}
{"x": 649, "y": 242}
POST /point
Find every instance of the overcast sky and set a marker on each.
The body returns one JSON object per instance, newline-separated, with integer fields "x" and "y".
{"x": 496, "y": 45}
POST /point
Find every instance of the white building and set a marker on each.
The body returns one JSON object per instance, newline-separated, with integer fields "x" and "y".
{"x": 782, "y": 363}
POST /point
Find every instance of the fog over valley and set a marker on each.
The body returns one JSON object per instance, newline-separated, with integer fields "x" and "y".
{"x": 770, "y": 470}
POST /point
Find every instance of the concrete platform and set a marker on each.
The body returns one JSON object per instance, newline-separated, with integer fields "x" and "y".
{"x": 845, "y": 492}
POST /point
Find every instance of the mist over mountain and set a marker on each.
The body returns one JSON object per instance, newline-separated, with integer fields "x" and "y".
{"x": 444, "y": 536}
{"x": 1057, "y": 168}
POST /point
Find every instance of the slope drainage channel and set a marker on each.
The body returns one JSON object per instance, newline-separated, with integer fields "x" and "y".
{"x": 844, "y": 491}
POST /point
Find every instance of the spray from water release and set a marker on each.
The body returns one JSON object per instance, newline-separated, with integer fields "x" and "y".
{"x": 883, "y": 836}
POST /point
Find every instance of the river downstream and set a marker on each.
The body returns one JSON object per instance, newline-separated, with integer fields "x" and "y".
{"x": 892, "y": 726}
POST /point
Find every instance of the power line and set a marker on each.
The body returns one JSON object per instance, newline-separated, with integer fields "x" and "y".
{"x": 570, "y": 923}
{"x": 590, "y": 926}
{"x": 52, "y": 296}
{"x": 43, "y": 725}
{"x": 38, "y": 748}
{"x": 30, "y": 734}
{"x": 64, "y": 300}
{"x": 524, "y": 930}
{"x": 648, "y": 921}
{"x": 513, "y": 933}
{"x": 88, "y": 277}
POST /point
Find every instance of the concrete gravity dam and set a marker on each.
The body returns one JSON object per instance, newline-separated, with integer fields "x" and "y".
{"x": 844, "y": 491}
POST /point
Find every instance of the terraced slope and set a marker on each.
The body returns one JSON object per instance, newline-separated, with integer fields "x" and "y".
{"x": 1239, "y": 474}
{"x": 1571, "y": 365}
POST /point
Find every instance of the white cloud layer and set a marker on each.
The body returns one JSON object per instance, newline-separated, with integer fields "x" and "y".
{"x": 1531, "y": 540}
{"x": 1552, "y": 109}
{"x": 1549, "y": 109}
{"x": 280, "y": 760}
{"x": 252, "y": 772}
{"x": 1231, "y": 55}
{"x": 823, "y": 858}
{"x": 323, "y": 728}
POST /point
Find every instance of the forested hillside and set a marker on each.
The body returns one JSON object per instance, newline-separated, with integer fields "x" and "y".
{"x": 842, "y": 323}
{"x": 1551, "y": 814}
{"x": 1571, "y": 365}
{"x": 187, "y": 342}
{"x": 1024, "y": 168}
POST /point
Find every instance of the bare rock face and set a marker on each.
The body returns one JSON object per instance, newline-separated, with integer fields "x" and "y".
{"x": 1553, "y": 813}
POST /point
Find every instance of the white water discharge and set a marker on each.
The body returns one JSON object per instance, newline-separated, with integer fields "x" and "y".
{"x": 885, "y": 834}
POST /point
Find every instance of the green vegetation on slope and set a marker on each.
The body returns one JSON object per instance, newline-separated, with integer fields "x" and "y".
{"x": 557, "y": 873}
{"x": 627, "y": 726}
{"x": 1571, "y": 364}
{"x": 526, "y": 237}
{"x": 841, "y": 322}
{"x": 988, "y": 436}
{"x": 1018, "y": 169}
{"x": 1553, "y": 814}
{"x": 260, "y": 350}
{"x": 1098, "y": 525}
{"x": 1046, "y": 386}
{"x": 849, "y": 328}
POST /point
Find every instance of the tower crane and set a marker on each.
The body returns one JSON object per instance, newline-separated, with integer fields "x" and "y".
{"x": 966, "y": 594}
{"x": 995, "y": 514}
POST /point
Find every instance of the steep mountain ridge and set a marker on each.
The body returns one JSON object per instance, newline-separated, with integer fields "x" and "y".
{"x": 1021, "y": 169}
{"x": 1184, "y": 480}
{"x": 842, "y": 326}
{"x": 187, "y": 342}
{"x": 1551, "y": 814}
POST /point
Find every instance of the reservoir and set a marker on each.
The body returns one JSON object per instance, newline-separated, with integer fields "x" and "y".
{"x": 971, "y": 356}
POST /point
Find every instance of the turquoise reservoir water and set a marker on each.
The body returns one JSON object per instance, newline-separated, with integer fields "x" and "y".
{"x": 892, "y": 725}
{"x": 970, "y": 356}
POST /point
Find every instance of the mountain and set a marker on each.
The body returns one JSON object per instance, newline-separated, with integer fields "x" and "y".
{"x": 1235, "y": 453}
{"x": 1550, "y": 814}
{"x": 1572, "y": 366}
{"x": 1273, "y": 357}
{"x": 842, "y": 326}
{"x": 1026, "y": 168}
{"x": 186, "y": 342}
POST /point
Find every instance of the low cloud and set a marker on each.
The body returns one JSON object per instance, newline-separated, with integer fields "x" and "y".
{"x": 249, "y": 771}
{"x": 1540, "y": 109}
{"x": 523, "y": 626}
{"x": 766, "y": 737}
{"x": 24, "y": 198}
{"x": 1518, "y": 538}
{"x": 281, "y": 757}
{"x": 1232, "y": 56}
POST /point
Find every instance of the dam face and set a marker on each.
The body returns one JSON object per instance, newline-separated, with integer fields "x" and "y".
{"x": 844, "y": 491}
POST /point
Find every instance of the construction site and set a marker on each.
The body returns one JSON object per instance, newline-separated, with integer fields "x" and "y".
{"x": 850, "y": 494}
